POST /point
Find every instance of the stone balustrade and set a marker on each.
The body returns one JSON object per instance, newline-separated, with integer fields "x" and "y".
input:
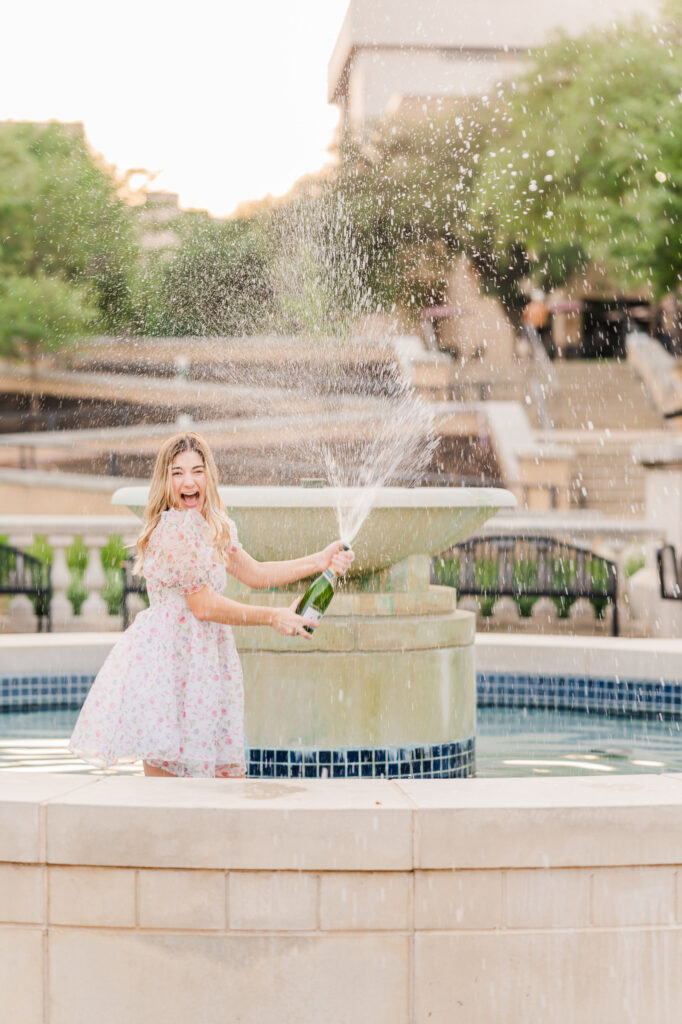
{"x": 619, "y": 540}
{"x": 60, "y": 533}
{"x": 614, "y": 539}
{"x": 582, "y": 618}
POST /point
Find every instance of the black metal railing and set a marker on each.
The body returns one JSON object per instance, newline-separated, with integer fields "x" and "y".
{"x": 21, "y": 573}
{"x": 527, "y": 568}
{"x": 131, "y": 585}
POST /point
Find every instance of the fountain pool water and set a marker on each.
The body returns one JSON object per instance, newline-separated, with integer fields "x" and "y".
{"x": 387, "y": 685}
{"x": 510, "y": 743}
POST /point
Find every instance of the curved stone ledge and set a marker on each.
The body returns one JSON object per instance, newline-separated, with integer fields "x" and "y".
{"x": 356, "y": 902}
{"x": 358, "y": 825}
{"x": 397, "y": 633}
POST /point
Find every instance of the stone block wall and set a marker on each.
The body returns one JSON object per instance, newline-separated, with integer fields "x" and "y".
{"x": 477, "y": 901}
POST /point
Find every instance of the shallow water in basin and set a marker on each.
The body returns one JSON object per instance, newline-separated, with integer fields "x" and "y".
{"x": 521, "y": 742}
{"x": 510, "y": 743}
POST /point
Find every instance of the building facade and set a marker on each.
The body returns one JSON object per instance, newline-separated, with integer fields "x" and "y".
{"x": 391, "y": 52}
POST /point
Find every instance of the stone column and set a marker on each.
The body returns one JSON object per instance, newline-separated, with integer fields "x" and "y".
{"x": 60, "y": 609}
{"x": 94, "y": 612}
{"x": 386, "y": 686}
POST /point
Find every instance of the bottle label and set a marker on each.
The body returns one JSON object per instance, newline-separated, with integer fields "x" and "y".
{"x": 312, "y": 613}
{"x": 329, "y": 574}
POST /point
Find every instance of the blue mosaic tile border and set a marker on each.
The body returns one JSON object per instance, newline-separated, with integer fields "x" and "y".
{"x": 34, "y": 693}
{"x": 580, "y": 693}
{"x": 455, "y": 760}
{"x": 495, "y": 689}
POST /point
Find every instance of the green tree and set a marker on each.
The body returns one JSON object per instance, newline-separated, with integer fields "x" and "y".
{"x": 317, "y": 264}
{"x": 40, "y": 314}
{"x": 60, "y": 217}
{"x": 587, "y": 162}
{"x": 216, "y": 283}
{"x": 406, "y": 192}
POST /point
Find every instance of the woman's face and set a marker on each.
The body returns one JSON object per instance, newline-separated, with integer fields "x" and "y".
{"x": 188, "y": 481}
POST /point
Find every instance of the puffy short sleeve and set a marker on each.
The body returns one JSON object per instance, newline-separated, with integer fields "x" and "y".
{"x": 180, "y": 553}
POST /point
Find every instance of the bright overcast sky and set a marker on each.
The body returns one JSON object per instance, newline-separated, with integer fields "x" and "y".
{"x": 226, "y": 99}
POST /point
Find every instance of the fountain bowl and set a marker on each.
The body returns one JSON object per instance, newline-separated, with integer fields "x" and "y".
{"x": 286, "y": 522}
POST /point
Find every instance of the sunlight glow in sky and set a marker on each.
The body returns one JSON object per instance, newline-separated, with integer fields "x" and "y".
{"x": 226, "y": 101}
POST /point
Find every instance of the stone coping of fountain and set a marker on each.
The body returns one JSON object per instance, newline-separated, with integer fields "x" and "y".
{"x": 340, "y": 825}
{"x": 284, "y": 522}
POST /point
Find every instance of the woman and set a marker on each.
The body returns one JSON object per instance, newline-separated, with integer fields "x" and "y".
{"x": 170, "y": 691}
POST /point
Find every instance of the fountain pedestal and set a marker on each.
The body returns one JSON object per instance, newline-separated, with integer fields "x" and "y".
{"x": 385, "y": 686}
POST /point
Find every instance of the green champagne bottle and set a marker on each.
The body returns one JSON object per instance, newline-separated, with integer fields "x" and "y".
{"x": 317, "y": 597}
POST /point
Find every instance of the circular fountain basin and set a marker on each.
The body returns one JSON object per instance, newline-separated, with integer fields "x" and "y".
{"x": 285, "y": 522}
{"x": 386, "y": 685}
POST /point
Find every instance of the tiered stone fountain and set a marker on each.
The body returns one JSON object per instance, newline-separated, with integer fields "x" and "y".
{"x": 387, "y": 685}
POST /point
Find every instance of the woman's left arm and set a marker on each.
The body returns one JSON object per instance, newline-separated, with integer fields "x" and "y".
{"x": 261, "y": 575}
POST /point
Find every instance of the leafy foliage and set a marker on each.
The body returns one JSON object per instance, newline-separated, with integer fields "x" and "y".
{"x": 634, "y": 561}
{"x": 564, "y": 575}
{"x": 406, "y": 191}
{"x": 578, "y": 162}
{"x": 67, "y": 243}
{"x": 588, "y": 160}
{"x": 41, "y": 313}
{"x": 216, "y": 282}
{"x": 113, "y": 555}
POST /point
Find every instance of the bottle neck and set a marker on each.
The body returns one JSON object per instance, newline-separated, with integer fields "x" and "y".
{"x": 330, "y": 574}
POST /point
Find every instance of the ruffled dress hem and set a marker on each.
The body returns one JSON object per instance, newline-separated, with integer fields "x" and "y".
{"x": 183, "y": 769}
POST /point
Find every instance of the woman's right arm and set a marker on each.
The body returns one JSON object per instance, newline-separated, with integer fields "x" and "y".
{"x": 207, "y": 606}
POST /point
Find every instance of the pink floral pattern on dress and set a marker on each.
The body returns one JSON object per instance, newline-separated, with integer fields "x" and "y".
{"x": 170, "y": 692}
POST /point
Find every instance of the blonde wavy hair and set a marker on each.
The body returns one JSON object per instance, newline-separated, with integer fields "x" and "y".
{"x": 161, "y": 495}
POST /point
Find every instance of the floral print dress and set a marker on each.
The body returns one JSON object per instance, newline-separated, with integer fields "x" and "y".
{"x": 170, "y": 692}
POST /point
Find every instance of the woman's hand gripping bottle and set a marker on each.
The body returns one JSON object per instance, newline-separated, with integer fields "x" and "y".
{"x": 317, "y": 597}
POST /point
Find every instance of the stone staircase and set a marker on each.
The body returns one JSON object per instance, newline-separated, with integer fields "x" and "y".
{"x": 597, "y": 413}
{"x": 605, "y": 474}
{"x": 602, "y": 411}
{"x": 600, "y": 395}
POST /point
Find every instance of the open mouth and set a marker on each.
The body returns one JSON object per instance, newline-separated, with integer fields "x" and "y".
{"x": 190, "y": 499}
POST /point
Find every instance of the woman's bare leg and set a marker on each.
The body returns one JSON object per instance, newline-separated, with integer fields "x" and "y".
{"x": 222, "y": 771}
{"x": 151, "y": 769}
